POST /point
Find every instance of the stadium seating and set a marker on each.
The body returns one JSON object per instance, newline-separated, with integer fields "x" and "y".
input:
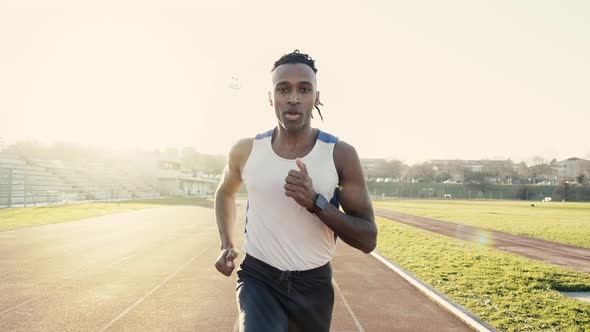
{"x": 26, "y": 181}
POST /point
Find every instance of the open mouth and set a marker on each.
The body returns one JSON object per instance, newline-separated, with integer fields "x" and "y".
{"x": 292, "y": 116}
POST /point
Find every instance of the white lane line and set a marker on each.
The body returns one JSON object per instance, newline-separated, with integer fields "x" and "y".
{"x": 63, "y": 278}
{"x": 126, "y": 311}
{"x": 122, "y": 259}
{"x": 356, "y": 321}
{"x": 462, "y": 315}
{"x": 18, "y": 305}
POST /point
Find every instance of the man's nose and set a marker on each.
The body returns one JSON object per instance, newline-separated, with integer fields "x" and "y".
{"x": 293, "y": 98}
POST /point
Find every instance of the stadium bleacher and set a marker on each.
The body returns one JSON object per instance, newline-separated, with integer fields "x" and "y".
{"x": 31, "y": 182}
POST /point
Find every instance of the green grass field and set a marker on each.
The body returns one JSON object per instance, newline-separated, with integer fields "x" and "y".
{"x": 36, "y": 216}
{"x": 554, "y": 221}
{"x": 507, "y": 291}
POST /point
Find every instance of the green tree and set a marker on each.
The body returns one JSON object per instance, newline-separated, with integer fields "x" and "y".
{"x": 477, "y": 181}
{"x": 562, "y": 190}
{"x": 423, "y": 172}
{"x": 523, "y": 172}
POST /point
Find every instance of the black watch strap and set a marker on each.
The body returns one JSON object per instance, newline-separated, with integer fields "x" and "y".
{"x": 319, "y": 204}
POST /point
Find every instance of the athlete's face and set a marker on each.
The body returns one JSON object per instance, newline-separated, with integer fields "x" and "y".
{"x": 294, "y": 95}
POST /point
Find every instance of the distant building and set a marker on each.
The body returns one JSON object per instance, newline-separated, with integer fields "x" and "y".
{"x": 543, "y": 174}
{"x": 499, "y": 171}
{"x": 172, "y": 181}
{"x": 572, "y": 167}
{"x": 454, "y": 168}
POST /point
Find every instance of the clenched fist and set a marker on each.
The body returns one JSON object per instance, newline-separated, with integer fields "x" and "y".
{"x": 225, "y": 262}
{"x": 298, "y": 186}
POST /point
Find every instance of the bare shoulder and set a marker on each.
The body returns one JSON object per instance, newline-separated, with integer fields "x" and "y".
{"x": 240, "y": 152}
{"x": 232, "y": 173}
{"x": 241, "y": 148}
{"x": 346, "y": 158}
{"x": 343, "y": 149}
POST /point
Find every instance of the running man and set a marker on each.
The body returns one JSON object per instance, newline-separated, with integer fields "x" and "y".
{"x": 296, "y": 177}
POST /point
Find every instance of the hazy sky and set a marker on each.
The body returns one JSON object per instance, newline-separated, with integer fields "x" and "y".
{"x": 412, "y": 80}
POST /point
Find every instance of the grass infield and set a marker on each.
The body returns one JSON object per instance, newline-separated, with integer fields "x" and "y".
{"x": 507, "y": 291}
{"x": 554, "y": 221}
{"x": 35, "y": 216}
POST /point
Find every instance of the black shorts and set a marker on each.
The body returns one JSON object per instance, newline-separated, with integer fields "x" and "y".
{"x": 273, "y": 300}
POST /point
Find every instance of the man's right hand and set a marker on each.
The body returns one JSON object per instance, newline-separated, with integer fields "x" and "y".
{"x": 225, "y": 263}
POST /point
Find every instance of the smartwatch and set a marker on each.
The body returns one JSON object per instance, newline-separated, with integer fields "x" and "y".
{"x": 320, "y": 203}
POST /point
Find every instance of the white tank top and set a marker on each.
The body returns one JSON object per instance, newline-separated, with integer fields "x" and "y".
{"x": 279, "y": 231}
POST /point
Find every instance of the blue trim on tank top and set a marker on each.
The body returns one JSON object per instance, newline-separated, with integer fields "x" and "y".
{"x": 246, "y": 225}
{"x": 327, "y": 138}
{"x": 322, "y": 136}
{"x": 266, "y": 134}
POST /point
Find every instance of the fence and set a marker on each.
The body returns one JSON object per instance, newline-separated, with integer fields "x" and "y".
{"x": 20, "y": 190}
{"x": 576, "y": 193}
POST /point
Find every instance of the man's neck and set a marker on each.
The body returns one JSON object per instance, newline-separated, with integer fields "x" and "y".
{"x": 294, "y": 140}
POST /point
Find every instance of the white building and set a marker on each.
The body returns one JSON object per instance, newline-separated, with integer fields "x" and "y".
{"x": 572, "y": 167}
{"x": 173, "y": 182}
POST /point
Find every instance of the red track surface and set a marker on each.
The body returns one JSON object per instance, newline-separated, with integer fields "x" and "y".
{"x": 569, "y": 256}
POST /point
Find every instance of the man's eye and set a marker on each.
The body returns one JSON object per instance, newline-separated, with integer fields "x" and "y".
{"x": 305, "y": 90}
{"x": 283, "y": 90}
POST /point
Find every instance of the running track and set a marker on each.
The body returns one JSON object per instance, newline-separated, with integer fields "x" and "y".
{"x": 573, "y": 257}
{"x": 152, "y": 270}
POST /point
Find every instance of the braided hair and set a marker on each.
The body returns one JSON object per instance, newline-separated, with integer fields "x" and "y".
{"x": 298, "y": 57}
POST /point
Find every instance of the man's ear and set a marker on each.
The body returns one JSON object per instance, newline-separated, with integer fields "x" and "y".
{"x": 270, "y": 98}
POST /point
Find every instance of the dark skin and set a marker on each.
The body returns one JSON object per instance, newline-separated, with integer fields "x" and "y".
{"x": 293, "y": 97}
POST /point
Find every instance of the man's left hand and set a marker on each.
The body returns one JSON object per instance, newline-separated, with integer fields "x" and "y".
{"x": 298, "y": 186}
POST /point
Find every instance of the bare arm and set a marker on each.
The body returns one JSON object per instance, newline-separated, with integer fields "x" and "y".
{"x": 225, "y": 203}
{"x": 357, "y": 225}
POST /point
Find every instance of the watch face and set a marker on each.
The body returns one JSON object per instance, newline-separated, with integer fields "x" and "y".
{"x": 321, "y": 202}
